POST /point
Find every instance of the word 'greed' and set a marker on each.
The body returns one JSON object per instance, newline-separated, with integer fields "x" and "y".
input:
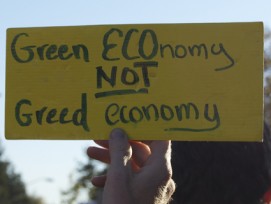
{"x": 116, "y": 113}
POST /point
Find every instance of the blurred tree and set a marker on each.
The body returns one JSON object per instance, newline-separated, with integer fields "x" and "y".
{"x": 12, "y": 189}
{"x": 83, "y": 175}
{"x": 267, "y": 67}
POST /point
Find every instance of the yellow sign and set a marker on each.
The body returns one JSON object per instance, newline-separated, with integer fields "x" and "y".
{"x": 193, "y": 82}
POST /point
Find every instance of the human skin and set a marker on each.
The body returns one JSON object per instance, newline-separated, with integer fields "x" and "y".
{"x": 139, "y": 172}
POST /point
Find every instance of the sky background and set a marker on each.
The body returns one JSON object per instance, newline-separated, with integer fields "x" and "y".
{"x": 37, "y": 160}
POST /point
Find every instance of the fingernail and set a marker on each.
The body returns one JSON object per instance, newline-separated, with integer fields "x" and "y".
{"x": 117, "y": 134}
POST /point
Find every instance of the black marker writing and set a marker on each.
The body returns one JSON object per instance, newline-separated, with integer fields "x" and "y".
{"x": 141, "y": 52}
{"x": 149, "y": 48}
{"x": 26, "y": 117}
{"x": 29, "y": 53}
{"x": 116, "y": 114}
{"x": 128, "y": 78}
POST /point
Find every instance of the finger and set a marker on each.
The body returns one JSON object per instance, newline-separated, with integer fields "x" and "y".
{"x": 119, "y": 149}
{"x": 99, "y": 154}
{"x": 147, "y": 142}
{"x": 159, "y": 159}
{"x": 120, "y": 167}
{"x": 140, "y": 155}
{"x": 102, "y": 143}
{"x": 160, "y": 150}
{"x": 141, "y": 152}
{"x": 99, "y": 181}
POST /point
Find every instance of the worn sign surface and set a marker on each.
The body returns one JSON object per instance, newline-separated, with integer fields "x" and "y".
{"x": 160, "y": 81}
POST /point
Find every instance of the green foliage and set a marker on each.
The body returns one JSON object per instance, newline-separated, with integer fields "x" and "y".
{"x": 83, "y": 175}
{"x": 12, "y": 189}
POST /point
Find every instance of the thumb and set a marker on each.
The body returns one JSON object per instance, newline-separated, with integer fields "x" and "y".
{"x": 116, "y": 189}
{"x": 119, "y": 149}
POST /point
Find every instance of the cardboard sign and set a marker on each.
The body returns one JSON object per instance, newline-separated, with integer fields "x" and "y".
{"x": 195, "y": 82}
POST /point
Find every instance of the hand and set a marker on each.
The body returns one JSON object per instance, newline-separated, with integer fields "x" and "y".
{"x": 138, "y": 172}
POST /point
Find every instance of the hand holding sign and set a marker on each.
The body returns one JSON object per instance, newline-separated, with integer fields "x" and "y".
{"x": 133, "y": 175}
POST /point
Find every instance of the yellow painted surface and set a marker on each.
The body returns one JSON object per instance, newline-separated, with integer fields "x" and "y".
{"x": 195, "y": 82}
